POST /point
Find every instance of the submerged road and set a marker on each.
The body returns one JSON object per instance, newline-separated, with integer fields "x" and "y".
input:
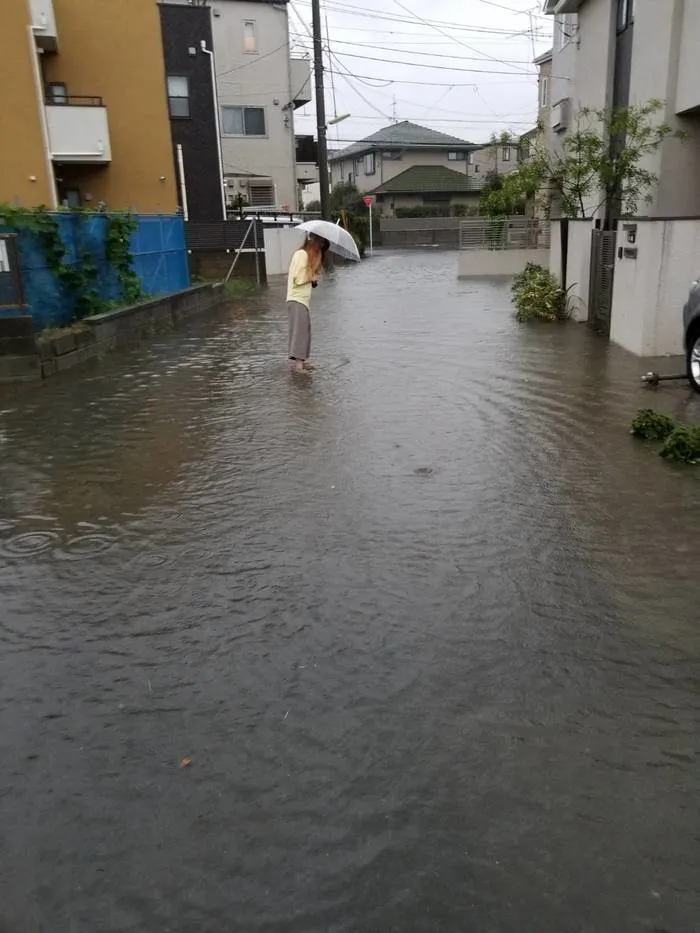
{"x": 412, "y": 645}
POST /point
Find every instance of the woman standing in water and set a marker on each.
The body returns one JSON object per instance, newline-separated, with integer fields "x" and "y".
{"x": 304, "y": 270}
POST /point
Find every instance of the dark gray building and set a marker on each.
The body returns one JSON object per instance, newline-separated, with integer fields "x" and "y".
{"x": 191, "y": 89}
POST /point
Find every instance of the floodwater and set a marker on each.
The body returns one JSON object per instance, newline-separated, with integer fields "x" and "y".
{"x": 425, "y": 625}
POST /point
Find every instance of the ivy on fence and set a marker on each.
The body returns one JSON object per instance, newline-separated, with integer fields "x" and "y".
{"x": 80, "y": 279}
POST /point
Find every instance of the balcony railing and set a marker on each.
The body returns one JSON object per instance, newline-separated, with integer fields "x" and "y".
{"x": 56, "y": 100}
{"x": 504, "y": 233}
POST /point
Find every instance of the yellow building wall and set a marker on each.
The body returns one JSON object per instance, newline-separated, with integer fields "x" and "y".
{"x": 22, "y": 151}
{"x": 113, "y": 49}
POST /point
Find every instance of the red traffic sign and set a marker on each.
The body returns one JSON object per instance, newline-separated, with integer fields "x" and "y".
{"x": 369, "y": 200}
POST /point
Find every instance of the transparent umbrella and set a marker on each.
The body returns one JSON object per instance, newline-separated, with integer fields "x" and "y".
{"x": 340, "y": 240}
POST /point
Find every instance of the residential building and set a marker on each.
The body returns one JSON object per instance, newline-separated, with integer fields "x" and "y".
{"x": 374, "y": 161}
{"x": 193, "y": 108}
{"x": 387, "y": 153}
{"x": 82, "y": 122}
{"x": 429, "y": 186}
{"x": 631, "y": 276}
{"x": 259, "y": 86}
{"x": 614, "y": 53}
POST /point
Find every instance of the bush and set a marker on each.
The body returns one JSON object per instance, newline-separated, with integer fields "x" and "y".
{"x": 428, "y": 210}
{"x": 681, "y": 442}
{"x": 682, "y": 445}
{"x": 538, "y": 296}
{"x": 652, "y": 425}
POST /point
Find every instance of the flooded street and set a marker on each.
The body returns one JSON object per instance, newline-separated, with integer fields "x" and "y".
{"x": 426, "y": 625}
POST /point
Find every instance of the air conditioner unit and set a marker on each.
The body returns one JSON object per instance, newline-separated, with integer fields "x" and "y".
{"x": 560, "y": 115}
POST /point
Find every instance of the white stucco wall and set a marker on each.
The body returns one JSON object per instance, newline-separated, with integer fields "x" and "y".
{"x": 280, "y": 244}
{"x": 578, "y": 267}
{"x": 257, "y": 80}
{"x": 487, "y": 263}
{"x": 688, "y": 90}
{"x": 650, "y": 291}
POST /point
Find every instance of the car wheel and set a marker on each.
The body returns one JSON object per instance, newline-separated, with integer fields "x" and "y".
{"x": 694, "y": 359}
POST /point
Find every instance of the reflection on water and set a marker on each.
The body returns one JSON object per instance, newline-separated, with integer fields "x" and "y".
{"x": 426, "y": 624}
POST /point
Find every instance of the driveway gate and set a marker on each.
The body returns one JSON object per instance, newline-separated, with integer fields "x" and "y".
{"x": 602, "y": 278}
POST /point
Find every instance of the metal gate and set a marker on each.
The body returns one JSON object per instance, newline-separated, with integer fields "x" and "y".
{"x": 602, "y": 279}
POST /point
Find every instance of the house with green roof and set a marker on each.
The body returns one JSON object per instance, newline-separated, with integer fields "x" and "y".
{"x": 428, "y": 186}
{"x": 409, "y": 155}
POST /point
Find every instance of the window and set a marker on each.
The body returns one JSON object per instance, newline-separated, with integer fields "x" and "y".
{"x": 456, "y": 156}
{"x": 544, "y": 91}
{"x": 261, "y": 195}
{"x": 250, "y": 37}
{"x": 57, "y": 93}
{"x": 625, "y": 14}
{"x": 505, "y": 154}
{"x": 243, "y": 121}
{"x": 370, "y": 164}
{"x": 567, "y": 29}
{"x": 178, "y": 96}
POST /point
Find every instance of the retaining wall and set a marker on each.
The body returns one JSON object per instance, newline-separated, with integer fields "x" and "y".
{"x": 488, "y": 263}
{"x": 26, "y": 356}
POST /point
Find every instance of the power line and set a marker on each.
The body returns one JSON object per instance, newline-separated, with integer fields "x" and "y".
{"x": 387, "y": 48}
{"x": 478, "y": 71}
{"x": 348, "y": 10}
{"x": 452, "y": 38}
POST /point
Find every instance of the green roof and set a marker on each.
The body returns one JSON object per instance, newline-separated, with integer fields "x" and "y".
{"x": 429, "y": 179}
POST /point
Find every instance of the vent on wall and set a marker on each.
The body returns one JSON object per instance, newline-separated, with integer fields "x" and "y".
{"x": 560, "y": 115}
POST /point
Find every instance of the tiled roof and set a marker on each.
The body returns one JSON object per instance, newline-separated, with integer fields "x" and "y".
{"x": 405, "y": 135}
{"x": 429, "y": 179}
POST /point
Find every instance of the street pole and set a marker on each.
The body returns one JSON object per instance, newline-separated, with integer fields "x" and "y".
{"x": 320, "y": 110}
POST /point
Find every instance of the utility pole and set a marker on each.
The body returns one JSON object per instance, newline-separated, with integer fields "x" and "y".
{"x": 320, "y": 110}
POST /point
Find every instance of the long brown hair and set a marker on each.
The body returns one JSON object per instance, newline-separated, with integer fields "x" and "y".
{"x": 315, "y": 247}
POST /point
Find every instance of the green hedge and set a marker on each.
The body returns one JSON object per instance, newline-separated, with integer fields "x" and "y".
{"x": 426, "y": 210}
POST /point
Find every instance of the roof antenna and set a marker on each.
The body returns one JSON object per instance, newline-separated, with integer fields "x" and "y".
{"x": 393, "y": 111}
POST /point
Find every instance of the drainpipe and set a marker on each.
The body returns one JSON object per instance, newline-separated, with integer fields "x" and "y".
{"x": 208, "y": 52}
{"x": 183, "y": 183}
{"x": 39, "y": 88}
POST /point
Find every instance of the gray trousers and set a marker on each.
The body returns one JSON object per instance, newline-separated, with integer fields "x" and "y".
{"x": 299, "y": 331}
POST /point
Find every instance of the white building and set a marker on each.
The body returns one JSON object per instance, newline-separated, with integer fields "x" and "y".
{"x": 259, "y": 86}
{"x": 615, "y": 53}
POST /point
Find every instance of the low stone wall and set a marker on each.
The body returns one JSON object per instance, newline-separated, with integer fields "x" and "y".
{"x": 214, "y": 264}
{"x": 51, "y": 352}
{"x": 488, "y": 263}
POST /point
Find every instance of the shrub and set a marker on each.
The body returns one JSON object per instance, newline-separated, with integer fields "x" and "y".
{"x": 652, "y": 425}
{"x": 538, "y": 296}
{"x": 681, "y": 442}
{"x": 682, "y": 445}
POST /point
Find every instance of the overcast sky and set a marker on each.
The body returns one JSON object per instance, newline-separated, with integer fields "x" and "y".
{"x": 463, "y": 67}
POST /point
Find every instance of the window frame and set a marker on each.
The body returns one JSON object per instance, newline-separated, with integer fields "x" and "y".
{"x": 567, "y": 24}
{"x": 254, "y": 24}
{"x": 53, "y": 100}
{"x": 544, "y": 91}
{"x": 243, "y": 108}
{"x": 456, "y": 155}
{"x": 370, "y": 159}
{"x": 506, "y": 153}
{"x": 624, "y": 16}
{"x": 178, "y": 97}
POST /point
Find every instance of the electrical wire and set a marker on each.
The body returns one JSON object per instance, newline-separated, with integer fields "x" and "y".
{"x": 386, "y": 48}
{"x": 346, "y": 9}
{"x": 442, "y": 32}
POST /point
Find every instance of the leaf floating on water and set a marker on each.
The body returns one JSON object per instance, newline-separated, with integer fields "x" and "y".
{"x": 185, "y": 763}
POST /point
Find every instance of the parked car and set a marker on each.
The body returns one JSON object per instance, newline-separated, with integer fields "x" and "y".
{"x": 691, "y": 334}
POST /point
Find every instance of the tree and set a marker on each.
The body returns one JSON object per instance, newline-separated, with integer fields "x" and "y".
{"x": 346, "y": 197}
{"x": 600, "y": 162}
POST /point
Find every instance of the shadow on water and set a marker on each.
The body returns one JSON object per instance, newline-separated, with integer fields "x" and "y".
{"x": 424, "y": 622}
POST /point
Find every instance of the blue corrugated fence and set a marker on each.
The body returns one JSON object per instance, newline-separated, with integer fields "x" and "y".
{"x": 158, "y": 252}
